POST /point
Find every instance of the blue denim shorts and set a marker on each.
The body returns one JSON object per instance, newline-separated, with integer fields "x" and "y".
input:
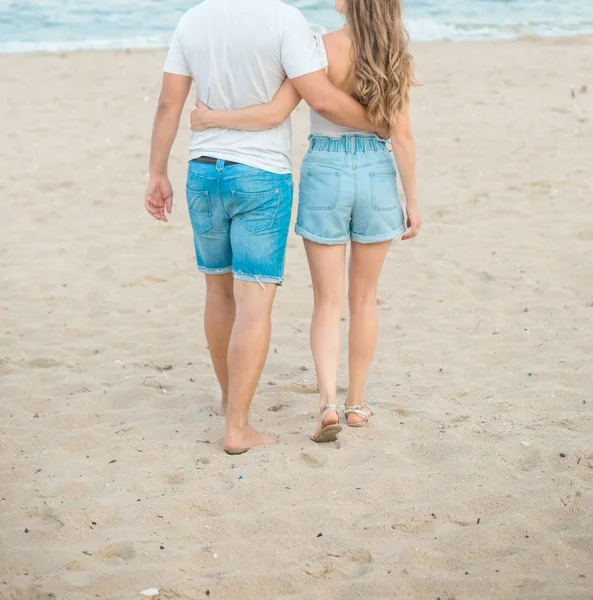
{"x": 348, "y": 192}
{"x": 240, "y": 217}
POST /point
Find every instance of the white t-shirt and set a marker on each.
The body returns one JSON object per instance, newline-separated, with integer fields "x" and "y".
{"x": 239, "y": 52}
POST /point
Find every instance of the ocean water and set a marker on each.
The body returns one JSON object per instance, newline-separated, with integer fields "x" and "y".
{"x": 57, "y": 25}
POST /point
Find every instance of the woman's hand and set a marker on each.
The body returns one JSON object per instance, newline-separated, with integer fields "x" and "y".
{"x": 413, "y": 220}
{"x": 200, "y": 117}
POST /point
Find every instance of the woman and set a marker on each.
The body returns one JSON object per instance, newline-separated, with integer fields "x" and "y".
{"x": 348, "y": 191}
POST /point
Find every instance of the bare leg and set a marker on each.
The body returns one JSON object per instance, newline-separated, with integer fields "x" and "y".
{"x": 327, "y": 265}
{"x": 247, "y": 353}
{"x": 219, "y": 317}
{"x": 366, "y": 261}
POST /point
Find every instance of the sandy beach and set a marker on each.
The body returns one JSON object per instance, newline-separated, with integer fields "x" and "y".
{"x": 474, "y": 480}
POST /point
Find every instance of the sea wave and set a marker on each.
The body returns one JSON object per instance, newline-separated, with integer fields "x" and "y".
{"x": 429, "y": 30}
{"x": 76, "y": 45}
{"x": 420, "y": 30}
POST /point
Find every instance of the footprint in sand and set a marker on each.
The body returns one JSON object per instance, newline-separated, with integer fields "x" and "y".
{"x": 174, "y": 478}
{"x": 194, "y": 510}
{"x": 217, "y": 482}
{"x": 402, "y": 412}
{"x": 42, "y": 363}
{"x": 8, "y": 366}
{"x": 144, "y": 280}
{"x": 79, "y": 574}
{"x": 156, "y": 483}
{"x": 297, "y": 388}
{"x": 159, "y": 383}
{"x": 122, "y": 551}
{"x": 347, "y": 566}
{"x": 49, "y": 520}
{"x": 308, "y": 460}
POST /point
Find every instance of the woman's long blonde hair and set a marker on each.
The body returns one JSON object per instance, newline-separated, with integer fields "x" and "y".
{"x": 383, "y": 68}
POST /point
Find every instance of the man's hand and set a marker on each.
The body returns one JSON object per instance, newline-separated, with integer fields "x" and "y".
{"x": 413, "y": 220}
{"x": 158, "y": 199}
{"x": 199, "y": 117}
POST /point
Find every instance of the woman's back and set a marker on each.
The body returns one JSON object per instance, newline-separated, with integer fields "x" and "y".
{"x": 336, "y": 48}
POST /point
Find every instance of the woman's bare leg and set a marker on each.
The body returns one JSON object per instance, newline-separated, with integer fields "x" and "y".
{"x": 366, "y": 262}
{"x": 327, "y": 265}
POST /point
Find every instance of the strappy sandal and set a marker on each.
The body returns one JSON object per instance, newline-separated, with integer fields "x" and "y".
{"x": 359, "y": 410}
{"x": 329, "y": 433}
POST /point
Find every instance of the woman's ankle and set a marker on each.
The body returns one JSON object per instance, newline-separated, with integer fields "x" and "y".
{"x": 327, "y": 400}
{"x": 354, "y": 400}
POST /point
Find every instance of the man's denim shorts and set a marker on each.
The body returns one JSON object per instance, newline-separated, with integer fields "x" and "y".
{"x": 240, "y": 216}
{"x": 348, "y": 192}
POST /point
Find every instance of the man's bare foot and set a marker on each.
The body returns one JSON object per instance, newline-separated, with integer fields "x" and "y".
{"x": 217, "y": 406}
{"x": 239, "y": 441}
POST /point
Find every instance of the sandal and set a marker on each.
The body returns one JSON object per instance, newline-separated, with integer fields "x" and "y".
{"x": 362, "y": 410}
{"x": 329, "y": 433}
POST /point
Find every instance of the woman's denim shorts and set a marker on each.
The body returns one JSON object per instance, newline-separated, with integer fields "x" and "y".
{"x": 348, "y": 192}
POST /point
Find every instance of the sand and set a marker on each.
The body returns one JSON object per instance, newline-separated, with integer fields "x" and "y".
{"x": 475, "y": 479}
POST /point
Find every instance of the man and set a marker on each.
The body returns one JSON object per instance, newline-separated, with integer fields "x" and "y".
{"x": 239, "y": 186}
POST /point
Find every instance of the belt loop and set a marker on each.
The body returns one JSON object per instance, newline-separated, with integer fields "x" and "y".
{"x": 352, "y": 144}
{"x": 219, "y": 164}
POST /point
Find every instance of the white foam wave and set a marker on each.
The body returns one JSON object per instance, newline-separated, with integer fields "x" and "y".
{"x": 74, "y": 45}
{"x": 420, "y": 30}
{"x": 429, "y": 30}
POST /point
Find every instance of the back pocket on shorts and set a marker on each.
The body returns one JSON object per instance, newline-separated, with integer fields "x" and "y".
{"x": 384, "y": 192}
{"x": 257, "y": 210}
{"x": 200, "y": 211}
{"x": 319, "y": 188}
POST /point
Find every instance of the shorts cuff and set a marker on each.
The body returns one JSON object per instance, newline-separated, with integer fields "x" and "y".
{"x": 208, "y": 271}
{"x": 319, "y": 240}
{"x": 375, "y": 239}
{"x": 261, "y": 279}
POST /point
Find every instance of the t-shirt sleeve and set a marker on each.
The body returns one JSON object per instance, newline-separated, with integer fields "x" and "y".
{"x": 176, "y": 63}
{"x": 300, "y": 54}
